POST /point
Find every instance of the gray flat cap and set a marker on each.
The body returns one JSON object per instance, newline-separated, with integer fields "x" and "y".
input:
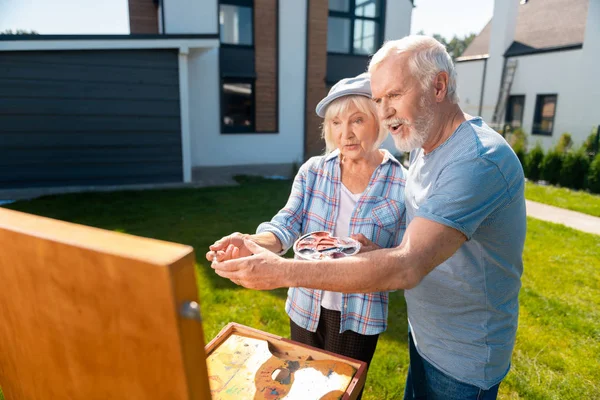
{"x": 359, "y": 85}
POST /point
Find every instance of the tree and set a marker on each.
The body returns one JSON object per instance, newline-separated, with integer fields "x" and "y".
{"x": 456, "y": 46}
{"x": 18, "y": 32}
{"x": 591, "y": 143}
{"x": 564, "y": 143}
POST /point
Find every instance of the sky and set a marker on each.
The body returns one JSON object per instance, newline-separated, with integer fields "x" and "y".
{"x": 49, "y": 17}
{"x": 450, "y": 17}
{"x": 446, "y": 17}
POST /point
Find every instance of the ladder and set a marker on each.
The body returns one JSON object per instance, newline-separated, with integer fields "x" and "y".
{"x": 505, "y": 86}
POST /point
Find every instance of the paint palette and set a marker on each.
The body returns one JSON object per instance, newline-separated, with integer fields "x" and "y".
{"x": 321, "y": 245}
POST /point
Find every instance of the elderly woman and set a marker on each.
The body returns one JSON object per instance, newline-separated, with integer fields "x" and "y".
{"x": 349, "y": 191}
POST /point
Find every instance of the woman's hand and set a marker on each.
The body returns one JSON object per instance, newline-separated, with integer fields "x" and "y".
{"x": 262, "y": 271}
{"x": 228, "y": 248}
{"x": 365, "y": 244}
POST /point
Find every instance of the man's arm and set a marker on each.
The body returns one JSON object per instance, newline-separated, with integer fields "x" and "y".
{"x": 426, "y": 244}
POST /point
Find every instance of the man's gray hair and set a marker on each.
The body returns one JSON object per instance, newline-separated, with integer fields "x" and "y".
{"x": 429, "y": 57}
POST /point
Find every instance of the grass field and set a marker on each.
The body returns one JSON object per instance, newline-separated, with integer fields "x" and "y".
{"x": 580, "y": 201}
{"x": 558, "y": 345}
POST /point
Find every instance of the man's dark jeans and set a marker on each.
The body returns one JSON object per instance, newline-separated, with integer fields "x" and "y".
{"x": 425, "y": 382}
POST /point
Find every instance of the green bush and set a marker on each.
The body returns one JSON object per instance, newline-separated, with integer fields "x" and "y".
{"x": 518, "y": 141}
{"x": 520, "y": 152}
{"x": 564, "y": 143}
{"x": 574, "y": 170}
{"x": 594, "y": 175}
{"x": 533, "y": 159}
{"x": 518, "y": 138}
{"x": 550, "y": 167}
{"x": 590, "y": 143}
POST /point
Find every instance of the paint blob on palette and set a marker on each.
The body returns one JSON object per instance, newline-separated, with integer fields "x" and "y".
{"x": 244, "y": 368}
{"x": 322, "y": 245}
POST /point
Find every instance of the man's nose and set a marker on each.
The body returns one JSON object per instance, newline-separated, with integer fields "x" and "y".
{"x": 384, "y": 109}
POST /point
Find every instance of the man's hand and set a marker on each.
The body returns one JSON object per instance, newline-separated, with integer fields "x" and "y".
{"x": 261, "y": 271}
{"x": 365, "y": 244}
{"x": 228, "y": 248}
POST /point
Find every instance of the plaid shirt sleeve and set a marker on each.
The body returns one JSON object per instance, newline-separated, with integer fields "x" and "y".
{"x": 286, "y": 225}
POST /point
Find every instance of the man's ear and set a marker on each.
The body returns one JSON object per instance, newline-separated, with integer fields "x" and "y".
{"x": 440, "y": 86}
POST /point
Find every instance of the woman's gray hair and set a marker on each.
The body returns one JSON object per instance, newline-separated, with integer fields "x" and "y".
{"x": 428, "y": 58}
{"x": 339, "y": 107}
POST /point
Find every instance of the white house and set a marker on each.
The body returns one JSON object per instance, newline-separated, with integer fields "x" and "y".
{"x": 535, "y": 66}
{"x": 197, "y": 83}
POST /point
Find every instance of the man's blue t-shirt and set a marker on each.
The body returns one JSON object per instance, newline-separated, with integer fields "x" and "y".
{"x": 463, "y": 315}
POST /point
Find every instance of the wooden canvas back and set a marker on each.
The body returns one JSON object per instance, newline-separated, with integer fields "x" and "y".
{"x": 92, "y": 314}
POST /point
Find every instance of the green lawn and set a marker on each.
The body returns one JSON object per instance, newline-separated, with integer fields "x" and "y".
{"x": 558, "y": 345}
{"x": 575, "y": 200}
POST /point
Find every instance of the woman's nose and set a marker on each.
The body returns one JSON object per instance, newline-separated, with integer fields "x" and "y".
{"x": 347, "y": 131}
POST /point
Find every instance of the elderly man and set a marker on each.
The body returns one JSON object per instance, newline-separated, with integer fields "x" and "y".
{"x": 460, "y": 261}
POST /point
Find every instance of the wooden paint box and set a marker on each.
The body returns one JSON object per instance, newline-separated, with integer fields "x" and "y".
{"x": 261, "y": 381}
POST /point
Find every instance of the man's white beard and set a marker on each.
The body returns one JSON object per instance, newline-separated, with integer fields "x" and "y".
{"x": 419, "y": 130}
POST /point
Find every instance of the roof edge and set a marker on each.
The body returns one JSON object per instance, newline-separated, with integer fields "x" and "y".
{"x": 7, "y": 38}
{"x": 473, "y": 58}
{"x": 513, "y": 51}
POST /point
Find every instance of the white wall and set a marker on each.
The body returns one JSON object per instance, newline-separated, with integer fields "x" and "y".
{"x": 209, "y": 146}
{"x": 588, "y": 92}
{"x": 160, "y": 21}
{"x": 203, "y": 70}
{"x": 470, "y": 80}
{"x": 554, "y": 73}
{"x": 502, "y": 35}
{"x": 191, "y": 16}
{"x": 398, "y": 15}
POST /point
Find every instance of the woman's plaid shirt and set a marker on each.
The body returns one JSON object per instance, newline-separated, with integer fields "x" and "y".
{"x": 313, "y": 206}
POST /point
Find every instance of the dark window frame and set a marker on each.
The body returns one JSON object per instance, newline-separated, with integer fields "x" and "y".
{"x": 238, "y": 3}
{"x": 241, "y": 3}
{"x": 351, "y": 15}
{"x": 508, "y": 116}
{"x": 537, "y": 115}
{"x": 232, "y": 130}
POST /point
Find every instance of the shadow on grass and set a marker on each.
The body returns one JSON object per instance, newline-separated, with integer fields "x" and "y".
{"x": 397, "y": 319}
{"x": 196, "y": 217}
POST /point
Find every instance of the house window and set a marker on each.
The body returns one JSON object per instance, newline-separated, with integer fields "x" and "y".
{"x": 237, "y": 107}
{"x": 235, "y": 22}
{"x": 514, "y": 112}
{"x": 545, "y": 109}
{"x": 354, "y": 26}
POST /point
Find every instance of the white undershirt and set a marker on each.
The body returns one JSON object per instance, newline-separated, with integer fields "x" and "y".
{"x": 348, "y": 200}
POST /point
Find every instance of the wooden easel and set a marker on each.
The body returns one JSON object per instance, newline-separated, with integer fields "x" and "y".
{"x": 92, "y": 314}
